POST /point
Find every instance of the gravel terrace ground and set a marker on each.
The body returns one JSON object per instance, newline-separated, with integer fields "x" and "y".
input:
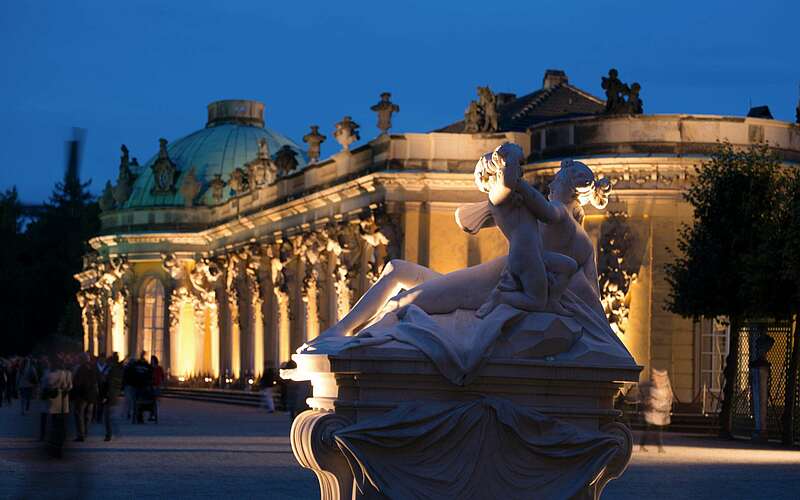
{"x": 210, "y": 450}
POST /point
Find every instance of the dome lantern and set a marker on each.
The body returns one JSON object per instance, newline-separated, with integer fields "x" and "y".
{"x": 238, "y": 111}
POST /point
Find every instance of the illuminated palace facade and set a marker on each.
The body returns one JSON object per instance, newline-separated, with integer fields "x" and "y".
{"x": 233, "y": 245}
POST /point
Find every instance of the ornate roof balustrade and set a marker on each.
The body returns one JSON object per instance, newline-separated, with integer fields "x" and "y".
{"x": 658, "y": 135}
{"x": 434, "y": 152}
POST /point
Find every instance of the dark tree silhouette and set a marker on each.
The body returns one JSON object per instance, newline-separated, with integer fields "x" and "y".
{"x": 718, "y": 264}
{"x": 40, "y": 260}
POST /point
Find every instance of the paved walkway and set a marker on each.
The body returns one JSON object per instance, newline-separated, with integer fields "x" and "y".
{"x": 207, "y": 450}
{"x": 197, "y": 450}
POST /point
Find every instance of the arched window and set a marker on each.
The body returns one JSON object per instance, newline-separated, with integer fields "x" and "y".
{"x": 152, "y": 332}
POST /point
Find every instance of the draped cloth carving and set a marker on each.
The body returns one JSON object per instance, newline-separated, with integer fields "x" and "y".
{"x": 504, "y": 450}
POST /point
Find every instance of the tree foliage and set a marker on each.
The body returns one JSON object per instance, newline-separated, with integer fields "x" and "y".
{"x": 718, "y": 267}
{"x": 39, "y": 260}
{"x": 732, "y": 260}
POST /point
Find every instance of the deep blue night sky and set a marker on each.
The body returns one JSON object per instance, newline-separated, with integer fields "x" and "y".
{"x": 135, "y": 71}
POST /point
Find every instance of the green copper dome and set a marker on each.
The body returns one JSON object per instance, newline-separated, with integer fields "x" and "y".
{"x": 229, "y": 141}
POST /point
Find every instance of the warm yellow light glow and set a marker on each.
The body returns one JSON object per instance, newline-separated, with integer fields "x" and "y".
{"x": 284, "y": 339}
{"x": 119, "y": 339}
{"x": 186, "y": 340}
{"x": 312, "y": 315}
{"x": 258, "y": 340}
{"x": 236, "y": 360}
{"x": 95, "y": 338}
{"x": 214, "y": 332}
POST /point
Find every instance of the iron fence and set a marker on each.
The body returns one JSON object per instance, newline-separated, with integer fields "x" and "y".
{"x": 779, "y": 357}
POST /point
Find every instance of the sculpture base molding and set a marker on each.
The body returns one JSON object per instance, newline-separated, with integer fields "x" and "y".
{"x": 355, "y": 391}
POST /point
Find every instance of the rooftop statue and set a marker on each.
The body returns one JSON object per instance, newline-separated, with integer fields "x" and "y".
{"x": 385, "y": 108}
{"x": 286, "y": 160}
{"x": 238, "y": 181}
{"x": 346, "y": 132}
{"x": 487, "y": 101}
{"x": 635, "y": 104}
{"x": 472, "y": 118}
{"x": 261, "y": 170}
{"x": 616, "y": 94}
{"x": 263, "y": 149}
{"x": 190, "y": 187}
{"x": 217, "y": 185}
{"x": 314, "y": 139}
{"x": 125, "y": 178}
{"x": 482, "y": 115}
{"x": 106, "y": 200}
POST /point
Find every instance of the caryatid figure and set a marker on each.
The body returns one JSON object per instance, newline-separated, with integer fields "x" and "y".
{"x": 488, "y": 103}
{"x": 385, "y": 108}
{"x": 314, "y": 139}
{"x": 263, "y": 149}
{"x": 346, "y": 132}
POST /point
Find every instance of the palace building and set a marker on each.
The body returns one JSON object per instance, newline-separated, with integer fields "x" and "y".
{"x": 233, "y": 245}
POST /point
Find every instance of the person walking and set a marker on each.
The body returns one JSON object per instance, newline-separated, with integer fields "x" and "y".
{"x": 86, "y": 392}
{"x": 142, "y": 382}
{"x": 158, "y": 383}
{"x": 268, "y": 380}
{"x": 101, "y": 365}
{"x": 109, "y": 392}
{"x": 127, "y": 386}
{"x": 58, "y": 383}
{"x": 27, "y": 384}
{"x": 656, "y": 398}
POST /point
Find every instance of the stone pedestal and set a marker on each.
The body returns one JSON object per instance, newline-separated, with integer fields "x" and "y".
{"x": 364, "y": 383}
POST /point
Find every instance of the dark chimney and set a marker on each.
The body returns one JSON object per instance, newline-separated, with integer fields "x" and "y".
{"x": 760, "y": 112}
{"x": 553, "y": 78}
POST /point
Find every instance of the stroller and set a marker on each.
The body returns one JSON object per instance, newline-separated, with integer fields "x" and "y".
{"x": 145, "y": 401}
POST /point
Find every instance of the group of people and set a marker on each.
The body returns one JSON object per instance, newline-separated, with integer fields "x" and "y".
{"x": 87, "y": 386}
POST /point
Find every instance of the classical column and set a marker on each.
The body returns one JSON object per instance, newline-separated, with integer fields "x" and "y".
{"x": 204, "y": 278}
{"x": 231, "y": 262}
{"x": 279, "y": 254}
{"x": 256, "y": 321}
{"x": 96, "y": 325}
{"x": 174, "y": 308}
{"x": 311, "y": 249}
{"x": 235, "y": 338}
{"x": 311, "y": 302}
{"x": 82, "y": 303}
{"x": 134, "y": 321}
{"x": 213, "y": 324}
{"x": 284, "y": 326}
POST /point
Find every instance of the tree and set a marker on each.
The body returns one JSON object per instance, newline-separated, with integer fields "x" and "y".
{"x": 41, "y": 291}
{"x": 735, "y": 199}
{"x": 12, "y": 251}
